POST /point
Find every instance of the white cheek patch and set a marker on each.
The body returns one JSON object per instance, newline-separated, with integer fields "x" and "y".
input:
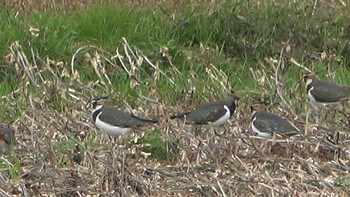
{"x": 110, "y": 129}
{"x": 333, "y": 105}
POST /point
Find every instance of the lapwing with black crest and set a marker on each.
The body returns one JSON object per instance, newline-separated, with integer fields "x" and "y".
{"x": 326, "y": 94}
{"x": 266, "y": 124}
{"x": 215, "y": 113}
{"x": 114, "y": 121}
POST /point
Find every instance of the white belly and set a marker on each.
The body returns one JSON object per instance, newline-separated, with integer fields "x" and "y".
{"x": 110, "y": 129}
{"x": 312, "y": 99}
{"x": 334, "y": 105}
{"x": 261, "y": 134}
{"x": 224, "y": 118}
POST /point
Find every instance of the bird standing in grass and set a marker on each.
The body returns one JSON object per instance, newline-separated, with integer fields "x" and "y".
{"x": 7, "y": 137}
{"x": 324, "y": 93}
{"x": 266, "y": 124}
{"x": 114, "y": 121}
{"x": 215, "y": 113}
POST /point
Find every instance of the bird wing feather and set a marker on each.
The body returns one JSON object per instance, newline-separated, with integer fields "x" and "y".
{"x": 329, "y": 92}
{"x": 207, "y": 114}
{"x": 116, "y": 117}
{"x": 269, "y": 123}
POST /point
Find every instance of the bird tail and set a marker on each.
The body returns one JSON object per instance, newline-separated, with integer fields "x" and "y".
{"x": 179, "y": 115}
{"x": 146, "y": 120}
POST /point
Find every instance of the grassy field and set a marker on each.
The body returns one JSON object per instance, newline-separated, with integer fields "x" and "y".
{"x": 156, "y": 59}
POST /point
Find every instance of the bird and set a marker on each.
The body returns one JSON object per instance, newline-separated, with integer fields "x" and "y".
{"x": 114, "y": 121}
{"x": 324, "y": 93}
{"x": 215, "y": 113}
{"x": 266, "y": 124}
{"x": 7, "y": 138}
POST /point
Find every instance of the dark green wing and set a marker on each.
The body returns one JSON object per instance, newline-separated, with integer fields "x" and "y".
{"x": 207, "y": 113}
{"x": 329, "y": 92}
{"x": 116, "y": 117}
{"x": 270, "y": 123}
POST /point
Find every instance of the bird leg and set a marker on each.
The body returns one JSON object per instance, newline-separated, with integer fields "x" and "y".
{"x": 217, "y": 132}
{"x": 197, "y": 130}
{"x": 111, "y": 144}
{"x": 320, "y": 115}
{"x": 313, "y": 111}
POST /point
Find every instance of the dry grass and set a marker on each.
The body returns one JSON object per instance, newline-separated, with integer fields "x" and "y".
{"x": 30, "y": 6}
{"x": 62, "y": 153}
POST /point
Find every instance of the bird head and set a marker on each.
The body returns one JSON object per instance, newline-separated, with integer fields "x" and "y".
{"x": 257, "y": 107}
{"x": 309, "y": 77}
{"x": 95, "y": 103}
{"x": 234, "y": 96}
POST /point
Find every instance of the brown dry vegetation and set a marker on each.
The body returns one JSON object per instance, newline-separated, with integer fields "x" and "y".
{"x": 29, "y": 6}
{"x": 61, "y": 153}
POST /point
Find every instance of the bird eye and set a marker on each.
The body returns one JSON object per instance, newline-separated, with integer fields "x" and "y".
{"x": 305, "y": 77}
{"x": 94, "y": 103}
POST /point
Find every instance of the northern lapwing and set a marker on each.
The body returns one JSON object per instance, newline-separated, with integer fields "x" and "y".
{"x": 215, "y": 113}
{"x": 324, "y": 93}
{"x": 114, "y": 121}
{"x": 7, "y": 137}
{"x": 266, "y": 124}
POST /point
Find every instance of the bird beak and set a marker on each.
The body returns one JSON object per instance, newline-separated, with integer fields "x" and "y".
{"x": 100, "y": 98}
{"x": 235, "y": 95}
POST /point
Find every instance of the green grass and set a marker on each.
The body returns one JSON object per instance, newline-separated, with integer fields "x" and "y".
{"x": 343, "y": 182}
{"x": 13, "y": 165}
{"x": 153, "y": 143}
{"x": 237, "y": 30}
